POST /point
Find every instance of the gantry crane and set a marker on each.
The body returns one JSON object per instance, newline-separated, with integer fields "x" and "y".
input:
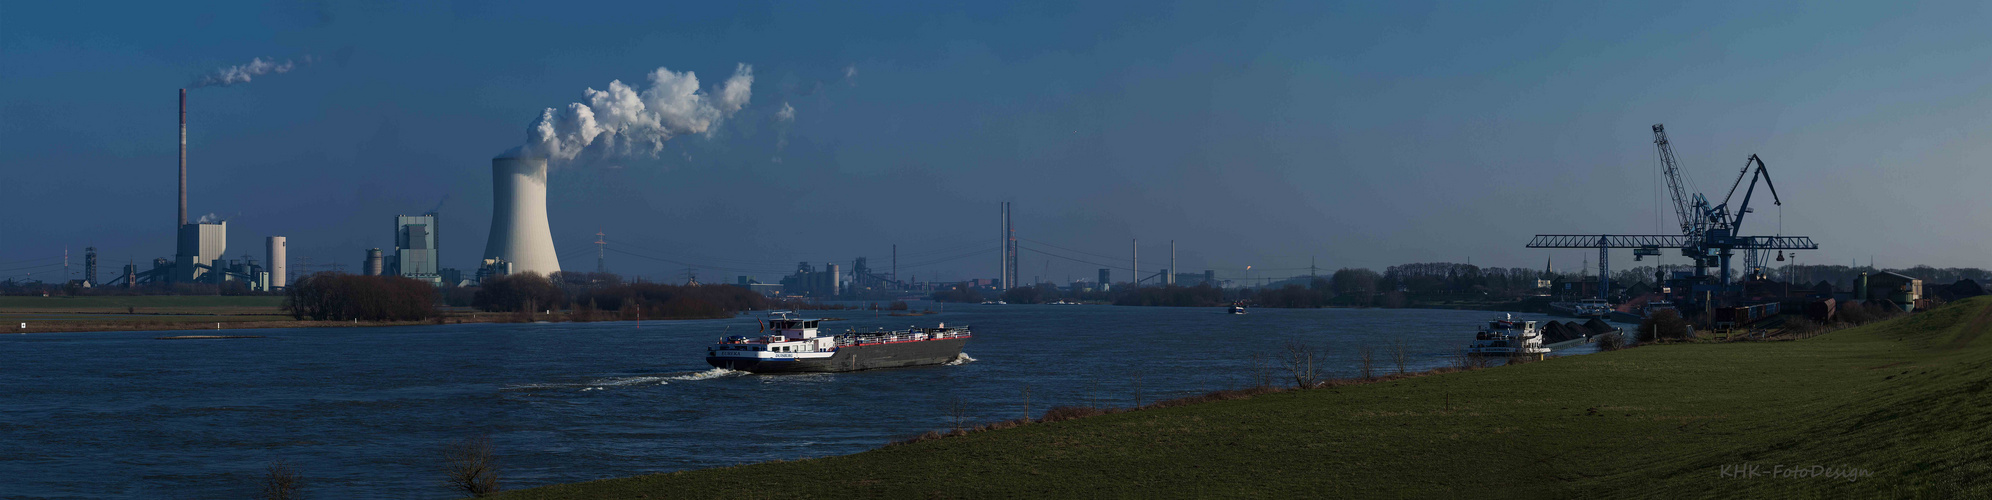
{"x": 1709, "y": 232}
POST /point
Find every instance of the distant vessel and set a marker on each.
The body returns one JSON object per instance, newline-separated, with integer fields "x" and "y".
{"x": 792, "y": 346}
{"x": 1237, "y": 308}
{"x": 1659, "y": 305}
{"x": 1508, "y": 338}
{"x": 1592, "y": 308}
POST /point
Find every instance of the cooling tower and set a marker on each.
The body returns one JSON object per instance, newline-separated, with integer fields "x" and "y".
{"x": 519, "y": 233}
{"x": 278, "y": 248}
{"x": 372, "y": 267}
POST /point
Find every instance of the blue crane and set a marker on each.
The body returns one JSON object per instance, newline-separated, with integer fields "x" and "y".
{"x": 1709, "y": 231}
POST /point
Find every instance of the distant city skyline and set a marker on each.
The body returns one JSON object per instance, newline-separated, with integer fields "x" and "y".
{"x": 1268, "y": 135}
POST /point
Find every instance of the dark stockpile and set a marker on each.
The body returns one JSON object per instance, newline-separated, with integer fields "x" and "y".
{"x": 1598, "y": 327}
{"x": 1557, "y": 332}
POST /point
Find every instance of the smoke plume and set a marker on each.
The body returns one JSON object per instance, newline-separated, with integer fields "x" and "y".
{"x": 783, "y": 119}
{"x": 243, "y": 73}
{"x": 622, "y": 120}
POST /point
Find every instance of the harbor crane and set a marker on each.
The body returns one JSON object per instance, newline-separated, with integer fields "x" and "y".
{"x": 1709, "y": 231}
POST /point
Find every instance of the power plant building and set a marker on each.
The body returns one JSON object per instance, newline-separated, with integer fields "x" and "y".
{"x": 201, "y": 244}
{"x": 520, "y": 235}
{"x": 415, "y": 248}
{"x": 808, "y": 281}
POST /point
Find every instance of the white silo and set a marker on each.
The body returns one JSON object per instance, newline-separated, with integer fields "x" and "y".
{"x": 278, "y": 250}
{"x": 519, "y": 232}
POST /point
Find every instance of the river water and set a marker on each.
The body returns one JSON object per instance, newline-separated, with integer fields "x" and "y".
{"x": 366, "y": 412}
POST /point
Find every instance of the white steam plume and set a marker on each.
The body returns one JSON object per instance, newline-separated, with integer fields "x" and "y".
{"x": 783, "y": 119}
{"x": 243, "y": 73}
{"x": 621, "y": 120}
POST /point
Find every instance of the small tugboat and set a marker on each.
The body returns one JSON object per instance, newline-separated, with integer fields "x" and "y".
{"x": 1508, "y": 338}
{"x": 1237, "y": 308}
{"x": 791, "y": 345}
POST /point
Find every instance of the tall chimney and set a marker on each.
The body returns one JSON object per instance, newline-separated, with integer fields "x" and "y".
{"x": 183, "y": 158}
{"x": 1003, "y": 239}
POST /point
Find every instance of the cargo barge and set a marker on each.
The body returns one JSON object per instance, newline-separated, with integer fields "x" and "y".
{"x": 791, "y": 345}
{"x": 1508, "y": 338}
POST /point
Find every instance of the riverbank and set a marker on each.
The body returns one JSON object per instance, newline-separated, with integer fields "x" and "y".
{"x": 1892, "y": 409}
{"x": 147, "y": 313}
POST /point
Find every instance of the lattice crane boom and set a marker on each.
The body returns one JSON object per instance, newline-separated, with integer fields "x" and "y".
{"x": 1683, "y": 208}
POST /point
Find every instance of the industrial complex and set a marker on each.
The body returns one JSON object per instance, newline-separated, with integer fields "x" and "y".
{"x": 199, "y": 256}
{"x": 521, "y": 241}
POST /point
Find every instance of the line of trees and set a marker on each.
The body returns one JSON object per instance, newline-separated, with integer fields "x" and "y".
{"x": 345, "y": 297}
{"x": 587, "y": 294}
{"x": 1407, "y": 285}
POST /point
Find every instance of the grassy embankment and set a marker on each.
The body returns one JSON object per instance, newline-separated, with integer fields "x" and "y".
{"x": 1905, "y": 400}
{"x": 164, "y": 312}
{"x": 203, "y": 312}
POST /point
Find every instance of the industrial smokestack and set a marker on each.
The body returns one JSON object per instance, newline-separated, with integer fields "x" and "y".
{"x": 183, "y": 159}
{"x": 519, "y": 231}
{"x": 1003, "y": 240}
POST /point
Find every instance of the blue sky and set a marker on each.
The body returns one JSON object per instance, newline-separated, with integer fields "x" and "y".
{"x": 1264, "y": 134}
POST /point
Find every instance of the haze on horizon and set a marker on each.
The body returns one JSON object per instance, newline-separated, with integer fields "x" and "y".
{"x": 1264, "y": 134}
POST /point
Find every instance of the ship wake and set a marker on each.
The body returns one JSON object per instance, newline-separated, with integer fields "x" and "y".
{"x": 636, "y": 380}
{"x": 960, "y": 359}
{"x": 709, "y": 374}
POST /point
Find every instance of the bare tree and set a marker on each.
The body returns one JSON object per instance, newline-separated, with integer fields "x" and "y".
{"x": 1137, "y": 388}
{"x": 1366, "y": 361}
{"x": 282, "y": 482}
{"x": 1464, "y": 361}
{"x": 960, "y": 412}
{"x": 1262, "y": 370}
{"x": 1027, "y": 401}
{"x": 1300, "y": 363}
{"x": 1400, "y": 353}
{"x": 470, "y": 466}
{"x": 1093, "y": 391}
{"x": 1610, "y": 341}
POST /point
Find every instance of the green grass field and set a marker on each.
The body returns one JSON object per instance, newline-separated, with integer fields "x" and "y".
{"x": 139, "y": 312}
{"x": 1906, "y": 401}
{"x": 118, "y": 304}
